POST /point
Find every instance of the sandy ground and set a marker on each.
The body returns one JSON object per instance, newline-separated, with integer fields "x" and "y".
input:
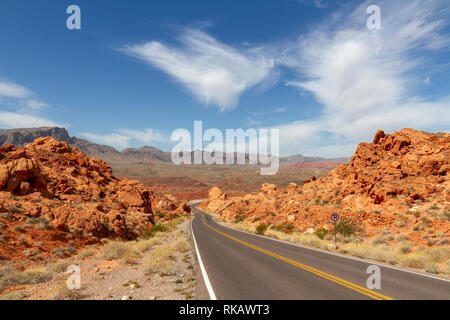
{"x": 113, "y": 280}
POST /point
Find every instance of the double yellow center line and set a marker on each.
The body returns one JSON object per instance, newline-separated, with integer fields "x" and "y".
{"x": 355, "y": 287}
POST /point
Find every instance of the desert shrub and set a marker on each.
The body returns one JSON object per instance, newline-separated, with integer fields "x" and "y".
{"x": 402, "y": 237}
{"x": 13, "y": 209}
{"x": 12, "y": 277}
{"x": 404, "y": 247}
{"x": 23, "y": 241}
{"x": 61, "y": 252}
{"x": 180, "y": 245}
{"x": 19, "y": 228}
{"x": 347, "y": 227}
{"x": 144, "y": 245}
{"x": 5, "y": 215}
{"x": 159, "y": 262}
{"x": 431, "y": 267}
{"x": 238, "y": 219}
{"x": 2, "y": 225}
{"x": 30, "y": 252}
{"x": 400, "y": 224}
{"x": 14, "y": 295}
{"x": 439, "y": 254}
{"x": 414, "y": 261}
{"x": 119, "y": 250}
{"x": 58, "y": 267}
{"x": 419, "y": 227}
{"x": 63, "y": 293}
{"x": 321, "y": 232}
{"x": 382, "y": 239}
{"x": 261, "y": 229}
{"x": 442, "y": 241}
{"x": 155, "y": 229}
{"x": 288, "y": 228}
{"x": 88, "y": 252}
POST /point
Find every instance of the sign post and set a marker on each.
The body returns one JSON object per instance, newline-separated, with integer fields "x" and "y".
{"x": 335, "y": 217}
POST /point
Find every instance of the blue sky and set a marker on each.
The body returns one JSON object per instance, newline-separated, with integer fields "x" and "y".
{"x": 137, "y": 70}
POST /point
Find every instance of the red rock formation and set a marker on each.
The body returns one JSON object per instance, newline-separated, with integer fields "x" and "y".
{"x": 386, "y": 181}
{"x": 49, "y": 180}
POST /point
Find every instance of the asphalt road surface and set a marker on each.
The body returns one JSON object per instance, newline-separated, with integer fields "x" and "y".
{"x": 239, "y": 266}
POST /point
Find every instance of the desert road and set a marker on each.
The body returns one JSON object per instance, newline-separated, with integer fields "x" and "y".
{"x": 240, "y": 266}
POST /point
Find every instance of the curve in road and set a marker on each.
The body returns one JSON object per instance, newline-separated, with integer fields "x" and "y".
{"x": 244, "y": 266}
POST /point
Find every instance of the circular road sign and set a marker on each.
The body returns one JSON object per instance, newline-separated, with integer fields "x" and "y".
{"x": 335, "y": 217}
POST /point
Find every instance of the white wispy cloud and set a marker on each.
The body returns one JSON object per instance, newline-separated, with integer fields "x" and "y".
{"x": 111, "y": 139}
{"x": 147, "y": 136}
{"x": 25, "y": 106}
{"x": 123, "y": 138}
{"x": 12, "y": 90}
{"x": 36, "y": 104}
{"x": 19, "y": 120}
{"x": 366, "y": 80}
{"x": 213, "y": 72}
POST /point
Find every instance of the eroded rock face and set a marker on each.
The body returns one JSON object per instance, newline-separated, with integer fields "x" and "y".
{"x": 50, "y": 180}
{"x": 385, "y": 182}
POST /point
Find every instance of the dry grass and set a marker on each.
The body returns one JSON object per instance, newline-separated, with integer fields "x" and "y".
{"x": 61, "y": 292}
{"x": 14, "y": 295}
{"x": 11, "y": 277}
{"x": 160, "y": 260}
{"x": 428, "y": 259}
{"x": 145, "y": 245}
{"x": 120, "y": 250}
{"x": 87, "y": 252}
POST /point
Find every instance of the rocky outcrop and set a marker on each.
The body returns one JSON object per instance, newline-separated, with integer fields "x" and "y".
{"x": 400, "y": 180}
{"x": 50, "y": 181}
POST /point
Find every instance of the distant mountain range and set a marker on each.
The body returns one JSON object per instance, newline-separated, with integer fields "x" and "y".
{"x": 21, "y": 137}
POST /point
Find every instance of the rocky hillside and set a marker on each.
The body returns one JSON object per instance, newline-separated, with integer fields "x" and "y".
{"x": 400, "y": 181}
{"x": 21, "y": 137}
{"x": 54, "y": 196}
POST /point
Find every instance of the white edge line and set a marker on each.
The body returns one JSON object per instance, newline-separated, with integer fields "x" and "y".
{"x": 212, "y": 296}
{"x": 333, "y": 253}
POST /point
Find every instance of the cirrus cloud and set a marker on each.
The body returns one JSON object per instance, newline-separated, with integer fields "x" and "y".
{"x": 213, "y": 72}
{"x": 366, "y": 80}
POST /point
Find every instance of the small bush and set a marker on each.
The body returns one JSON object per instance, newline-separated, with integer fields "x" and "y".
{"x": 402, "y": 237}
{"x": 155, "y": 229}
{"x": 261, "y": 229}
{"x": 11, "y": 277}
{"x": 346, "y": 227}
{"x": 414, "y": 261}
{"x": 14, "y": 295}
{"x": 159, "y": 262}
{"x": 5, "y": 215}
{"x": 321, "y": 233}
{"x": 404, "y": 247}
{"x": 431, "y": 267}
{"x": 23, "y": 241}
{"x": 85, "y": 253}
{"x": 13, "y": 209}
{"x": 119, "y": 250}
{"x": 19, "y": 228}
{"x": 58, "y": 267}
{"x": 63, "y": 293}
{"x": 180, "y": 245}
{"x": 62, "y": 251}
